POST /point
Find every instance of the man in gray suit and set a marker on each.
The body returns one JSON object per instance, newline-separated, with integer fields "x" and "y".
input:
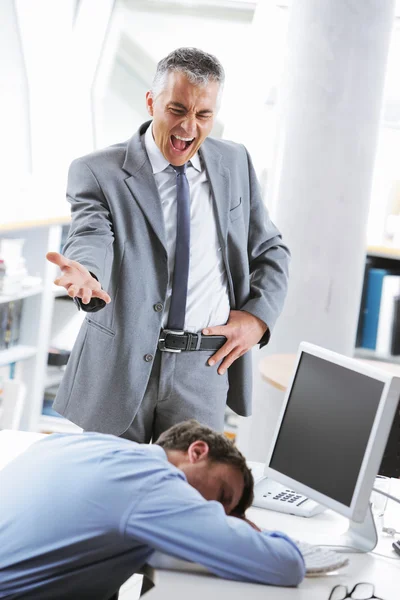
{"x": 172, "y": 225}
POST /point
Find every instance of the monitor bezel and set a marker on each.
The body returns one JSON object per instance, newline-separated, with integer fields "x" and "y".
{"x": 376, "y": 443}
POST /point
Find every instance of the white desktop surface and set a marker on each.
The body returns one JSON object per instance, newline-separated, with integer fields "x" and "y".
{"x": 13, "y": 443}
{"x": 383, "y": 572}
{"x": 171, "y": 585}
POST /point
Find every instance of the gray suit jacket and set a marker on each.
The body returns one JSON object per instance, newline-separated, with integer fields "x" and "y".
{"x": 117, "y": 233}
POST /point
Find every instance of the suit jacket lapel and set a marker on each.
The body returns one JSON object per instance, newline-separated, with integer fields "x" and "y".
{"x": 220, "y": 182}
{"x": 142, "y": 184}
{"x": 143, "y": 187}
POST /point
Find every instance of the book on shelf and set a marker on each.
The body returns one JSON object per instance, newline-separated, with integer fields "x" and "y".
{"x": 371, "y": 308}
{"x": 379, "y": 318}
{"x": 16, "y": 322}
{"x": 395, "y": 347}
{"x": 3, "y": 324}
{"x": 48, "y": 399}
{"x": 10, "y": 323}
{"x": 360, "y": 325}
{"x": 49, "y": 411}
{"x": 390, "y": 290}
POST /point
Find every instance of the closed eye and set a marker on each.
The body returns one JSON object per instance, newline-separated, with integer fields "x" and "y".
{"x": 226, "y": 501}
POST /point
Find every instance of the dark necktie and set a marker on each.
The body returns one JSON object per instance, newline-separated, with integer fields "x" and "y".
{"x": 177, "y": 309}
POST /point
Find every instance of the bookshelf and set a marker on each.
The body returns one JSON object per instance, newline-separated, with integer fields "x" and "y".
{"x": 383, "y": 264}
{"x": 27, "y": 361}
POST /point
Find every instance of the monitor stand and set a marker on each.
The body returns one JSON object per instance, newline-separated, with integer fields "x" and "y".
{"x": 359, "y": 537}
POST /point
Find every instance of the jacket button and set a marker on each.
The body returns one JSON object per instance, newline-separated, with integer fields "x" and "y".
{"x": 148, "y": 357}
{"x": 158, "y": 307}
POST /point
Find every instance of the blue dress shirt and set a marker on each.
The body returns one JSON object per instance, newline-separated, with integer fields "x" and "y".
{"x": 79, "y": 514}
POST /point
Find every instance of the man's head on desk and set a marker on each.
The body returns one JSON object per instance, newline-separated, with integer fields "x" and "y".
{"x": 211, "y": 464}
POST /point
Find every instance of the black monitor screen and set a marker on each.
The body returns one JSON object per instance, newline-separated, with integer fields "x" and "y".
{"x": 326, "y": 427}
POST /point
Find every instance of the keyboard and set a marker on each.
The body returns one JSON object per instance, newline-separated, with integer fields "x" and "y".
{"x": 275, "y": 496}
{"x": 320, "y": 560}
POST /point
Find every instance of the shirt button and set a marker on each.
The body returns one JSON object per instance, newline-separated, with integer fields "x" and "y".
{"x": 148, "y": 357}
{"x": 158, "y": 307}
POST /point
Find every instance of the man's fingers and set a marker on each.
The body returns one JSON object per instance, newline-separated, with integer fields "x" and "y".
{"x": 73, "y": 291}
{"x": 58, "y": 259}
{"x": 221, "y": 353}
{"x": 64, "y": 281}
{"x": 102, "y": 295}
{"x": 217, "y": 330}
{"x": 228, "y": 361}
{"x": 63, "y": 262}
{"x": 86, "y": 296}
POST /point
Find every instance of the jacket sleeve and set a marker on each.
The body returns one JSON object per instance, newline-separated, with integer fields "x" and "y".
{"x": 91, "y": 236}
{"x": 268, "y": 261}
{"x": 172, "y": 517}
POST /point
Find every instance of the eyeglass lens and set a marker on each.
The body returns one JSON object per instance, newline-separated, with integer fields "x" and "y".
{"x": 361, "y": 591}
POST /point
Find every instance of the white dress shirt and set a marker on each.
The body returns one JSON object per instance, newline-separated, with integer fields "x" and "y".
{"x": 207, "y": 299}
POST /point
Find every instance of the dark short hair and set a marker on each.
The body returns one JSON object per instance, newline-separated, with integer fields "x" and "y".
{"x": 221, "y": 450}
{"x": 198, "y": 66}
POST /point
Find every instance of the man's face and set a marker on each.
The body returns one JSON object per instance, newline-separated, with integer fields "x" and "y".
{"x": 214, "y": 480}
{"x": 183, "y": 116}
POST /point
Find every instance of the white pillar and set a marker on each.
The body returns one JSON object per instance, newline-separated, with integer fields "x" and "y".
{"x": 330, "y": 101}
{"x": 15, "y": 156}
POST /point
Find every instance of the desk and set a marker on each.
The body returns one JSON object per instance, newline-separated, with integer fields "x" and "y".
{"x": 277, "y": 369}
{"x": 174, "y": 585}
{"x": 383, "y": 572}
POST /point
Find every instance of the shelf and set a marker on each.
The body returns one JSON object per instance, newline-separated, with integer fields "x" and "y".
{"x": 33, "y": 291}
{"x": 57, "y": 425}
{"x": 383, "y": 252}
{"x": 34, "y": 223}
{"x": 16, "y": 353}
{"x": 372, "y": 355}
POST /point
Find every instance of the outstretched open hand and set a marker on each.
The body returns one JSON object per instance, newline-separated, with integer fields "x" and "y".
{"x": 77, "y": 280}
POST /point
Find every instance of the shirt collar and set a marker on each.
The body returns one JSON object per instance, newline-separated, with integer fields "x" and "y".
{"x": 161, "y": 453}
{"x": 157, "y": 160}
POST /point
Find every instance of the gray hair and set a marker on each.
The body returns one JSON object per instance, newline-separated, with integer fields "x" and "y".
{"x": 198, "y": 66}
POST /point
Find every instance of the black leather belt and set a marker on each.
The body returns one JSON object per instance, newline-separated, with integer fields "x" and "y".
{"x": 178, "y": 341}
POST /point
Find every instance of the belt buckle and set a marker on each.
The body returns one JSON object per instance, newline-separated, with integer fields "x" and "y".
{"x": 161, "y": 341}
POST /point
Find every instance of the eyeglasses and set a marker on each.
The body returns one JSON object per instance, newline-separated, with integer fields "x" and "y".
{"x": 361, "y": 591}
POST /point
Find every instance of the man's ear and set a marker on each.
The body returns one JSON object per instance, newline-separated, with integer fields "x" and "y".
{"x": 149, "y": 103}
{"x": 197, "y": 451}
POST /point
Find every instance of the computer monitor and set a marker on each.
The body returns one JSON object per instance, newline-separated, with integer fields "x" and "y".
{"x": 331, "y": 435}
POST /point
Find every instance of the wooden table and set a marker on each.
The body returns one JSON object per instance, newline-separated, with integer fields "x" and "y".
{"x": 277, "y": 369}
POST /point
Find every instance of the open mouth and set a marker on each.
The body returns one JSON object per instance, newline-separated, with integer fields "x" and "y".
{"x": 181, "y": 144}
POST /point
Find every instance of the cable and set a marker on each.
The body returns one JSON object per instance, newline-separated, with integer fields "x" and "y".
{"x": 386, "y": 555}
{"x": 389, "y": 530}
{"x": 386, "y": 494}
{"x": 353, "y": 551}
